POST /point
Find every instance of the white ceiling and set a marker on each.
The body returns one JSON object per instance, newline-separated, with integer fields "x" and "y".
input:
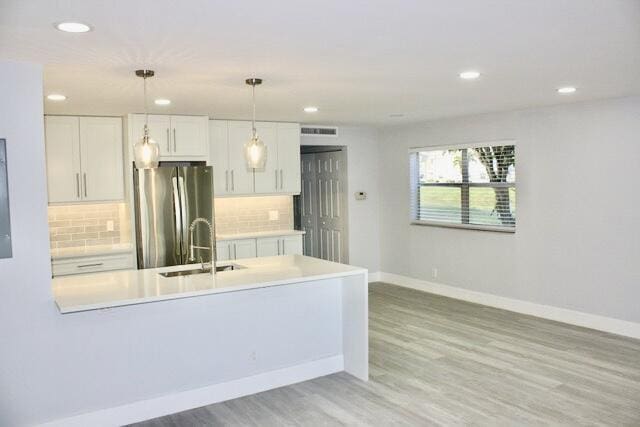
{"x": 357, "y": 60}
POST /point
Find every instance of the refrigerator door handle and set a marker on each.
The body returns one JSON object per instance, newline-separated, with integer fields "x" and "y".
{"x": 183, "y": 213}
{"x": 177, "y": 215}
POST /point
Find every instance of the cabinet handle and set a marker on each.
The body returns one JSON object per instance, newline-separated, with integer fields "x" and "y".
{"x": 175, "y": 144}
{"x": 284, "y": 252}
{"x": 281, "y": 180}
{"x": 235, "y": 251}
{"x": 98, "y": 264}
{"x": 226, "y": 180}
{"x": 278, "y": 246}
{"x": 78, "y": 185}
{"x": 233, "y": 182}
{"x": 168, "y": 141}
{"x": 276, "y": 171}
{"x": 229, "y": 250}
{"x": 84, "y": 179}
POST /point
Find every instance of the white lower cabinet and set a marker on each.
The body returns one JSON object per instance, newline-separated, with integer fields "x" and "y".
{"x": 280, "y": 245}
{"x": 91, "y": 264}
{"x": 292, "y": 245}
{"x": 268, "y": 246}
{"x": 229, "y": 250}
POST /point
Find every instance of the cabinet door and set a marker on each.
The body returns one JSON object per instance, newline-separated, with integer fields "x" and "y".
{"x": 219, "y": 159}
{"x": 268, "y": 246}
{"x": 292, "y": 245}
{"x": 223, "y": 250}
{"x": 101, "y": 158}
{"x": 245, "y": 248}
{"x": 267, "y": 180}
{"x": 240, "y": 177}
{"x": 159, "y": 131}
{"x": 63, "y": 158}
{"x": 189, "y": 136}
{"x": 289, "y": 157}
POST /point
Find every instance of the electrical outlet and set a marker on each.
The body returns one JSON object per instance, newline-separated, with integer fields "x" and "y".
{"x": 110, "y": 225}
{"x": 434, "y": 273}
{"x": 274, "y": 215}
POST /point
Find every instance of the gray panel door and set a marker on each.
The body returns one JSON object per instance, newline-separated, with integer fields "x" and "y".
{"x": 195, "y": 185}
{"x": 332, "y": 223}
{"x": 309, "y": 205}
{"x": 5, "y": 223}
{"x": 158, "y": 219}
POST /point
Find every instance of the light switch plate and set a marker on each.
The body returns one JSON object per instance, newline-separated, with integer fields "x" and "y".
{"x": 110, "y": 225}
{"x": 360, "y": 195}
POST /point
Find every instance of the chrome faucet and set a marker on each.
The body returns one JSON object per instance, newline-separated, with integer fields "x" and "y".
{"x": 212, "y": 240}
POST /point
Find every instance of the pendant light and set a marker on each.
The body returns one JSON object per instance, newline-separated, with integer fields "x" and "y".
{"x": 254, "y": 150}
{"x": 146, "y": 152}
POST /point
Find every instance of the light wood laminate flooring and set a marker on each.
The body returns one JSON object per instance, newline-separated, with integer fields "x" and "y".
{"x": 440, "y": 361}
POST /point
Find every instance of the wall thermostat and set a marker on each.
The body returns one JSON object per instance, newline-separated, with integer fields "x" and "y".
{"x": 360, "y": 195}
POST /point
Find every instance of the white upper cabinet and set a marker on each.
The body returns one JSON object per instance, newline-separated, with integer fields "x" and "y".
{"x": 282, "y": 168}
{"x": 179, "y": 137}
{"x": 101, "y": 158}
{"x": 84, "y": 158}
{"x": 289, "y": 157}
{"x": 63, "y": 158}
{"x": 231, "y": 176}
{"x": 240, "y": 177}
{"x": 189, "y": 136}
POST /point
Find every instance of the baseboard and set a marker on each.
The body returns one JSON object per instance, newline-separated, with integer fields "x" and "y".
{"x": 572, "y": 317}
{"x": 182, "y": 401}
{"x": 374, "y": 277}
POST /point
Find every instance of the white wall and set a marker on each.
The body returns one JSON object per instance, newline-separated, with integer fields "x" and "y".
{"x": 54, "y": 366}
{"x": 362, "y": 165}
{"x": 577, "y": 244}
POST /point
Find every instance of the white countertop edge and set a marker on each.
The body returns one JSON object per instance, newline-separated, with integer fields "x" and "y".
{"x": 181, "y": 295}
{"x": 258, "y": 234}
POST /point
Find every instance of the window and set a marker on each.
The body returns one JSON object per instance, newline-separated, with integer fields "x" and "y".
{"x": 472, "y": 186}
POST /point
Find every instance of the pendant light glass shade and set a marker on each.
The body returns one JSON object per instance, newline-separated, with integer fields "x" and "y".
{"x": 255, "y": 152}
{"x": 146, "y": 152}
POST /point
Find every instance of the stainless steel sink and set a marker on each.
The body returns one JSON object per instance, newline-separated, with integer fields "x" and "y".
{"x": 228, "y": 267}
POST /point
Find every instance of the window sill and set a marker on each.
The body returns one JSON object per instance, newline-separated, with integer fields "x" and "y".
{"x": 465, "y": 226}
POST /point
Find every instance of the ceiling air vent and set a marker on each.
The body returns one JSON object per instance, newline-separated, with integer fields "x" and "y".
{"x": 319, "y": 131}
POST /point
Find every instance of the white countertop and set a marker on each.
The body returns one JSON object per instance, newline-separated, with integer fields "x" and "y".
{"x": 86, "y": 251}
{"x": 258, "y": 234}
{"x": 117, "y": 288}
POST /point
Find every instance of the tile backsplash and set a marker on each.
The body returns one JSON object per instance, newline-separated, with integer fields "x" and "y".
{"x": 236, "y": 215}
{"x": 77, "y": 226}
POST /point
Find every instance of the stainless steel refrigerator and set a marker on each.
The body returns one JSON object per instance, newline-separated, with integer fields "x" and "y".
{"x": 167, "y": 200}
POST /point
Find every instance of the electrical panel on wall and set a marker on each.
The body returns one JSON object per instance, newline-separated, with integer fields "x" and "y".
{"x": 5, "y": 223}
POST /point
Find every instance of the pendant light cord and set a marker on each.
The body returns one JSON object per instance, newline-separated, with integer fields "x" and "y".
{"x": 146, "y": 114}
{"x": 253, "y": 121}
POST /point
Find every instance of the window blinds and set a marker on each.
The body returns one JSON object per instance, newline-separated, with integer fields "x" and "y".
{"x": 464, "y": 186}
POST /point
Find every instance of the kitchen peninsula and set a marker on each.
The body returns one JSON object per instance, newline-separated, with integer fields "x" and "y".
{"x": 273, "y": 321}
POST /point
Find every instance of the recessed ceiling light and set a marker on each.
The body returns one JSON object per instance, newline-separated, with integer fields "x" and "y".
{"x": 56, "y": 97}
{"x": 72, "y": 27}
{"x": 162, "y": 101}
{"x": 469, "y": 75}
{"x": 310, "y": 109}
{"x": 566, "y": 89}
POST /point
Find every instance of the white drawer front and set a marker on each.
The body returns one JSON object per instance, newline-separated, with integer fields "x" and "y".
{"x": 91, "y": 264}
